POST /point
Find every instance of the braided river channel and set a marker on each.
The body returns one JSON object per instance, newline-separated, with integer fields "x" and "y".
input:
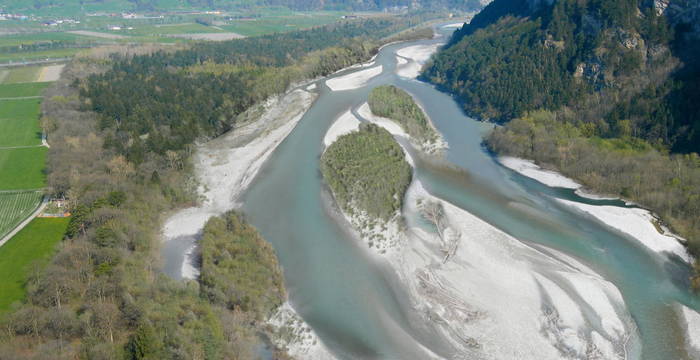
{"x": 356, "y": 301}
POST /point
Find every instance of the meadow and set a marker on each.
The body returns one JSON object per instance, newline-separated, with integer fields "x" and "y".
{"x": 39, "y": 37}
{"x": 22, "y": 168}
{"x": 30, "y": 248}
{"x": 38, "y": 55}
{"x": 8, "y": 90}
{"x": 66, "y": 44}
{"x": 22, "y": 74}
{"x": 19, "y": 122}
{"x": 167, "y": 29}
{"x": 273, "y": 24}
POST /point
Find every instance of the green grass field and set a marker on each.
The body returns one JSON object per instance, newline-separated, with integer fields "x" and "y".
{"x": 268, "y": 25}
{"x": 21, "y": 74}
{"x": 19, "y": 123}
{"x": 22, "y": 89}
{"x": 15, "y": 207}
{"x": 19, "y": 132}
{"x": 22, "y": 169}
{"x": 20, "y": 108}
{"x": 71, "y": 8}
{"x": 38, "y": 55}
{"x": 27, "y": 39}
{"x": 167, "y": 29}
{"x": 33, "y": 246}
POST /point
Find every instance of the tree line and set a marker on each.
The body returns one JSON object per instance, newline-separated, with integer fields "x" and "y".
{"x": 367, "y": 172}
{"x": 164, "y": 101}
{"x": 391, "y": 102}
{"x": 630, "y": 168}
{"x": 628, "y": 70}
{"x": 603, "y": 90}
{"x": 122, "y": 160}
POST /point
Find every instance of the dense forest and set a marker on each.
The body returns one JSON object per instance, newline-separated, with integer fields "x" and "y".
{"x": 621, "y": 66}
{"x": 164, "y": 101}
{"x": 367, "y": 172}
{"x": 103, "y": 296}
{"x": 668, "y": 184}
{"x": 391, "y": 102}
{"x": 239, "y": 269}
{"x": 602, "y": 90}
{"x": 121, "y": 143}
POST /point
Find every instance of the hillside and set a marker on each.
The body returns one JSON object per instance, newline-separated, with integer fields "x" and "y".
{"x": 604, "y": 91}
{"x": 624, "y": 67}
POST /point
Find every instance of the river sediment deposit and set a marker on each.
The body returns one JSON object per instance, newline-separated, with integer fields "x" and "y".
{"x": 511, "y": 270}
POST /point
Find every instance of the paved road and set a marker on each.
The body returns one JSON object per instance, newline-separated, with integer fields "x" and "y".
{"x": 21, "y": 98}
{"x": 35, "y": 62}
{"x": 21, "y": 147}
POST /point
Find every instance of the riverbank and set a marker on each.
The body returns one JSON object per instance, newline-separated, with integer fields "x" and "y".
{"x": 640, "y": 224}
{"x": 412, "y": 58}
{"x": 692, "y": 323}
{"x": 344, "y": 124}
{"x": 435, "y": 147}
{"x": 295, "y": 335}
{"x": 224, "y": 168}
{"x": 354, "y": 80}
{"x": 518, "y": 301}
{"x": 381, "y": 236}
{"x": 491, "y": 296}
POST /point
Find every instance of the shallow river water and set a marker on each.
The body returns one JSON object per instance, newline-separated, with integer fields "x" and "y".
{"x": 355, "y": 302}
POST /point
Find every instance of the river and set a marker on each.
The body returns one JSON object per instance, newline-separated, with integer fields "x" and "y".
{"x": 355, "y": 302}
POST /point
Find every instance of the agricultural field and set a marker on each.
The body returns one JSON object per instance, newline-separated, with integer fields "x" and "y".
{"x": 273, "y": 24}
{"x": 9, "y": 90}
{"x": 72, "y": 7}
{"x": 15, "y": 207}
{"x": 38, "y": 55}
{"x": 21, "y": 156}
{"x": 19, "y": 109}
{"x": 22, "y": 74}
{"x": 22, "y": 168}
{"x": 40, "y": 37}
{"x": 36, "y": 42}
{"x": 22, "y": 179}
{"x": 31, "y": 247}
{"x": 167, "y": 29}
{"x": 19, "y": 122}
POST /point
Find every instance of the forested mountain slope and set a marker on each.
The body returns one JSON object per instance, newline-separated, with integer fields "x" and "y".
{"x": 605, "y": 90}
{"x": 633, "y": 56}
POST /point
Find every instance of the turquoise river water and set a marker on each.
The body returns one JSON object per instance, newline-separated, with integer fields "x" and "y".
{"x": 347, "y": 295}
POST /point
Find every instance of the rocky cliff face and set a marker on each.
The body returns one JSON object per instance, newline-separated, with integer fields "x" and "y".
{"x": 617, "y": 62}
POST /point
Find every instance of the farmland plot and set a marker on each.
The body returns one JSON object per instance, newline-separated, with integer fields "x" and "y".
{"x": 31, "y": 248}
{"x": 23, "y": 168}
{"x": 22, "y": 89}
{"x": 16, "y": 206}
{"x": 19, "y": 123}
